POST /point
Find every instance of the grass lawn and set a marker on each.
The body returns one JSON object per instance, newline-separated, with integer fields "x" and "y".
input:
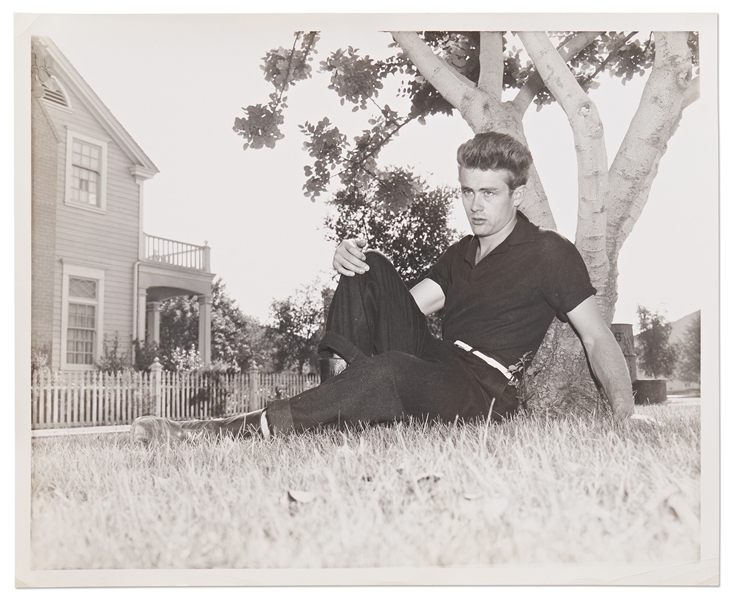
{"x": 531, "y": 490}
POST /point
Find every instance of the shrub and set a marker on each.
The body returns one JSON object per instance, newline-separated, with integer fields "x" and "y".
{"x": 113, "y": 359}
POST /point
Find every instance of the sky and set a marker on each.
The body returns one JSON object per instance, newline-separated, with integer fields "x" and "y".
{"x": 176, "y": 83}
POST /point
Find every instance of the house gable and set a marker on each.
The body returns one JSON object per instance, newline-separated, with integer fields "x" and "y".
{"x": 72, "y": 82}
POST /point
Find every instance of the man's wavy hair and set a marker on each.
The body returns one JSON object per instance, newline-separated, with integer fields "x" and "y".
{"x": 497, "y": 151}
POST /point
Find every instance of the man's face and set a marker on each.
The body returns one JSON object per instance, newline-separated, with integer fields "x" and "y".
{"x": 487, "y": 199}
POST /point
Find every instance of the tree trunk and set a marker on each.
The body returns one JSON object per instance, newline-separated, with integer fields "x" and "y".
{"x": 559, "y": 379}
{"x": 610, "y": 200}
{"x": 480, "y": 105}
{"x": 668, "y": 91}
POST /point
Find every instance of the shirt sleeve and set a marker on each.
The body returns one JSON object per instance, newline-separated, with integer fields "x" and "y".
{"x": 440, "y": 271}
{"x": 567, "y": 282}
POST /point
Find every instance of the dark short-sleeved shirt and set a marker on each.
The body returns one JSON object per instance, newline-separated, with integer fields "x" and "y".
{"x": 504, "y": 304}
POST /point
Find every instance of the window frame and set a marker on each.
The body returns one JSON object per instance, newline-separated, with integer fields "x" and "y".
{"x": 72, "y": 272}
{"x": 72, "y": 135}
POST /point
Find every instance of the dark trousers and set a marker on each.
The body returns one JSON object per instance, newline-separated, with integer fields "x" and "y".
{"x": 396, "y": 368}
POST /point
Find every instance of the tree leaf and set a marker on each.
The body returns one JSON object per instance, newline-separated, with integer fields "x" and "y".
{"x": 473, "y": 496}
{"x": 430, "y": 476}
{"x": 301, "y": 496}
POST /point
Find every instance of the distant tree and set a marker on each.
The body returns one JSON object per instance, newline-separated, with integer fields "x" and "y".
{"x": 179, "y": 327}
{"x": 657, "y": 355}
{"x": 237, "y": 340}
{"x": 412, "y": 237}
{"x": 689, "y": 365}
{"x": 297, "y": 327}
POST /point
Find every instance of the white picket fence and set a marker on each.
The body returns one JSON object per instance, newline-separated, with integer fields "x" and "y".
{"x": 84, "y": 399}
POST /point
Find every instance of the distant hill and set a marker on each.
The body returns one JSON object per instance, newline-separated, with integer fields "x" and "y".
{"x": 677, "y": 334}
{"x": 678, "y": 329}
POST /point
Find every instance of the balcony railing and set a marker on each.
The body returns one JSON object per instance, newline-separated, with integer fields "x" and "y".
{"x": 178, "y": 254}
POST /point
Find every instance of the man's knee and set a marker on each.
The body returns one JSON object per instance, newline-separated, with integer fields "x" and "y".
{"x": 377, "y": 261}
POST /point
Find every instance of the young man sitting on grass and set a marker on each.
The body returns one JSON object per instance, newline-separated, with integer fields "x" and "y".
{"x": 501, "y": 288}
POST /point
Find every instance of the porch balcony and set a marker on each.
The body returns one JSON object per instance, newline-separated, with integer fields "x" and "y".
{"x": 169, "y": 268}
{"x": 177, "y": 254}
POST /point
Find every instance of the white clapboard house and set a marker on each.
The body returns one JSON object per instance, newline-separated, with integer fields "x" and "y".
{"x": 95, "y": 272}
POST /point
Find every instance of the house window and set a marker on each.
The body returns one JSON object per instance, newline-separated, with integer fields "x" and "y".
{"x": 81, "y": 332}
{"x": 86, "y": 162}
{"x": 86, "y": 166}
{"x": 82, "y": 316}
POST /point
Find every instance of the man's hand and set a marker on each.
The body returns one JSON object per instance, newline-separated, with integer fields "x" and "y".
{"x": 349, "y": 259}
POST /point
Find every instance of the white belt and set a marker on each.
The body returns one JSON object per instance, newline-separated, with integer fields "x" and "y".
{"x": 488, "y": 359}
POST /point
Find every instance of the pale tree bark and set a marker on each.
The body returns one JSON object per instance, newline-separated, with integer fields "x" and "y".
{"x": 560, "y": 378}
{"x": 535, "y": 82}
{"x": 492, "y": 63}
{"x": 480, "y": 106}
{"x": 668, "y": 91}
{"x": 610, "y": 199}
{"x": 591, "y": 154}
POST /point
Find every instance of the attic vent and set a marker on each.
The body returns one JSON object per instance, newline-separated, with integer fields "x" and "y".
{"x": 54, "y": 95}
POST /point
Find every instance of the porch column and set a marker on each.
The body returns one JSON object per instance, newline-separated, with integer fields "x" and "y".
{"x": 153, "y": 331}
{"x": 205, "y": 329}
{"x": 140, "y": 326}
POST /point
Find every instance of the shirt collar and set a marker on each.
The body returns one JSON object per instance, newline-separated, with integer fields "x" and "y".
{"x": 522, "y": 233}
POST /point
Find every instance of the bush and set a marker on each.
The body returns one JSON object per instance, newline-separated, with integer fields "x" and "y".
{"x": 113, "y": 359}
{"x": 145, "y": 355}
{"x": 40, "y": 359}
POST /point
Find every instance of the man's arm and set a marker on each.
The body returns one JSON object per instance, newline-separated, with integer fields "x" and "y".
{"x": 428, "y": 295}
{"x": 605, "y": 356}
{"x": 349, "y": 260}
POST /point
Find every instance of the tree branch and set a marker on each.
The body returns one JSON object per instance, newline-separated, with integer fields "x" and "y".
{"x": 359, "y": 164}
{"x": 692, "y": 94}
{"x": 491, "y": 63}
{"x": 567, "y": 51}
{"x": 588, "y": 134}
{"x": 289, "y": 73}
{"x": 656, "y": 119}
{"x": 452, "y": 86}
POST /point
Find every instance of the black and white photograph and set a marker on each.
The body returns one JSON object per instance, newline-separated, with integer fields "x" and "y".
{"x": 367, "y": 299}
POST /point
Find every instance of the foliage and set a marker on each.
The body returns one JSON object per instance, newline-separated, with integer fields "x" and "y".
{"x": 261, "y": 126}
{"x": 145, "y": 354}
{"x": 413, "y": 237}
{"x": 237, "y": 340}
{"x": 656, "y": 354}
{"x": 40, "y": 359}
{"x": 689, "y": 363}
{"x": 297, "y": 327}
{"x": 179, "y": 326}
{"x": 210, "y": 386}
{"x": 357, "y": 80}
{"x": 529, "y": 490}
{"x": 185, "y": 361}
{"x": 113, "y": 359}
